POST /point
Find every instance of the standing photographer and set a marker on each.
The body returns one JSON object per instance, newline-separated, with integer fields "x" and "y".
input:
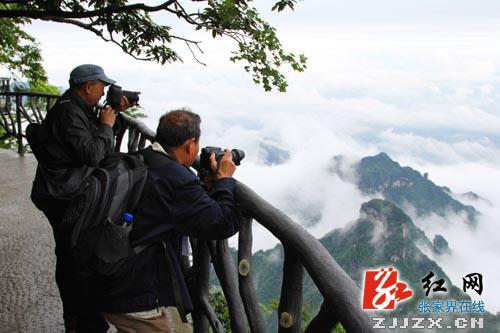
{"x": 75, "y": 140}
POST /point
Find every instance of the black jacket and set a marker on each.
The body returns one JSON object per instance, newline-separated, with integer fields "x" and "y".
{"x": 173, "y": 204}
{"x": 74, "y": 143}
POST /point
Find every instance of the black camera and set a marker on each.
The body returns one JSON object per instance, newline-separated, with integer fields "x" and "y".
{"x": 238, "y": 155}
{"x": 205, "y": 173}
{"x": 115, "y": 94}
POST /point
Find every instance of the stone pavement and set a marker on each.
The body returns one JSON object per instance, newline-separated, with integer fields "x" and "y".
{"x": 29, "y": 299}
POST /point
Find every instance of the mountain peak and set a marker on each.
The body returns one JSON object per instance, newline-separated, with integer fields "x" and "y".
{"x": 380, "y": 160}
{"x": 272, "y": 155}
{"x": 382, "y": 156}
{"x": 385, "y": 236}
{"x": 389, "y": 222}
{"x": 404, "y": 185}
{"x": 379, "y": 210}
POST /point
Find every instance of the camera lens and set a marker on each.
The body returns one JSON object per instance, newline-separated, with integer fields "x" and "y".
{"x": 238, "y": 155}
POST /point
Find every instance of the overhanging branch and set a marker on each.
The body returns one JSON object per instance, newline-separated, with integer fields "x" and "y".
{"x": 192, "y": 52}
{"x": 100, "y": 34}
{"x": 79, "y": 24}
{"x": 35, "y": 14}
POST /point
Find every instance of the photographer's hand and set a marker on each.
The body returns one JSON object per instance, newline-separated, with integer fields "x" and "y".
{"x": 124, "y": 104}
{"x": 107, "y": 116}
{"x": 226, "y": 167}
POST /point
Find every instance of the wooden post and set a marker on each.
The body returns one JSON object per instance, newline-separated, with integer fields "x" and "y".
{"x": 20, "y": 146}
{"x": 203, "y": 313}
{"x": 290, "y": 308}
{"x": 226, "y": 272}
{"x": 324, "y": 321}
{"x": 247, "y": 288}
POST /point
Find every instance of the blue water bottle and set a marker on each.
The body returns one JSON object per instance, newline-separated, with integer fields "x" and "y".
{"x": 127, "y": 219}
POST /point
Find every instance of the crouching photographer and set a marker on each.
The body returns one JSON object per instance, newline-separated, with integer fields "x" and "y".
{"x": 172, "y": 207}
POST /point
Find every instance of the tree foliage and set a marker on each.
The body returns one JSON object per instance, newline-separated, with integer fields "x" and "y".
{"x": 218, "y": 301}
{"x": 19, "y": 52}
{"x": 131, "y": 26}
{"x": 136, "y": 112}
{"x": 7, "y": 141}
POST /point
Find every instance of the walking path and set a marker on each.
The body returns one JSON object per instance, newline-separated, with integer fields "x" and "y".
{"x": 29, "y": 300}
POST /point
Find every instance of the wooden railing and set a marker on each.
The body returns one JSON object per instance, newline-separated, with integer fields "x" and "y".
{"x": 17, "y": 109}
{"x": 138, "y": 133}
{"x": 303, "y": 252}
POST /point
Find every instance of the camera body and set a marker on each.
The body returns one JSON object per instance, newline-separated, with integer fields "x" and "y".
{"x": 115, "y": 94}
{"x": 238, "y": 155}
{"x": 205, "y": 173}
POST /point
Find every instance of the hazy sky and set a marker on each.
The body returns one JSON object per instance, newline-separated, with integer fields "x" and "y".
{"x": 416, "y": 79}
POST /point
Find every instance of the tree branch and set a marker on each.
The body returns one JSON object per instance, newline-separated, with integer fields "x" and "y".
{"x": 87, "y": 14}
{"x": 100, "y": 34}
{"x": 9, "y": 2}
{"x": 192, "y": 53}
{"x": 179, "y": 11}
{"x": 85, "y": 26}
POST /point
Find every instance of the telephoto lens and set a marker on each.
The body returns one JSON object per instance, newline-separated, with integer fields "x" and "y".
{"x": 115, "y": 94}
{"x": 238, "y": 155}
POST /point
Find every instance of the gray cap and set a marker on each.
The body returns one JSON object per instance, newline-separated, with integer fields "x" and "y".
{"x": 88, "y": 72}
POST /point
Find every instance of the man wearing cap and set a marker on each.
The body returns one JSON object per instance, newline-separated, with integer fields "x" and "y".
{"x": 77, "y": 140}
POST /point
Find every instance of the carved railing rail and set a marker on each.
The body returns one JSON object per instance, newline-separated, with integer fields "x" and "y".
{"x": 17, "y": 109}
{"x": 302, "y": 252}
{"x": 138, "y": 133}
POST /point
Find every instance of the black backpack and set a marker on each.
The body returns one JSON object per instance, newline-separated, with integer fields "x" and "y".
{"x": 46, "y": 144}
{"x": 94, "y": 223}
{"x": 98, "y": 221}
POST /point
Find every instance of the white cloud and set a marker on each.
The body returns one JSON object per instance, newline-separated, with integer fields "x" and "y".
{"x": 411, "y": 146}
{"x": 472, "y": 251}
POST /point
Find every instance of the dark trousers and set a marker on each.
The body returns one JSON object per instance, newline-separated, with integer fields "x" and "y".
{"x": 81, "y": 311}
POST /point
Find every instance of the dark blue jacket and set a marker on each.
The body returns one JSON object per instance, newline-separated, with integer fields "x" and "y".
{"x": 173, "y": 204}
